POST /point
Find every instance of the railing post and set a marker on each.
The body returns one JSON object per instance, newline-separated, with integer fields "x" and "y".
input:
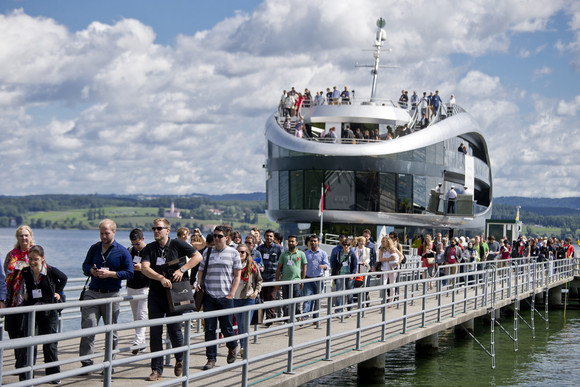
{"x": 31, "y": 318}
{"x": 424, "y": 305}
{"x": 246, "y": 340}
{"x": 187, "y": 341}
{"x": 405, "y": 309}
{"x": 291, "y": 322}
{"x": 358, "y": 321}
{"x": 107, "y": 371}
{"x": 439, "y": 289}
{"x": 328, "y": 326}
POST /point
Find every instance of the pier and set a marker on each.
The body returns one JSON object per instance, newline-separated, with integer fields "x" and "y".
{"x": 292, "y": 351}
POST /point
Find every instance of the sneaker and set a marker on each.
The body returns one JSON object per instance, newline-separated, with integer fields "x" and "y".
{"x": 154, "y": 376}
{"x": 209, "y": 365}
{"x": 241, "y": 354}
{"x": 232, "y": 355}
{"x": 178, "y": 370}
{"x": 55, "y": 382}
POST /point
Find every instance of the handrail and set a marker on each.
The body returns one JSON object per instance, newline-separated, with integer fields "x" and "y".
{"x": 514, "y": 277}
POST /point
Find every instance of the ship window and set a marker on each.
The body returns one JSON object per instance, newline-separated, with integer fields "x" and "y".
{"x": 273, "y": 190}
{"x": 341, "y": 195}
{"x": 388, "y": 192}
{"x": 419, "y": 194}
{"x": 296, "y": 190}
{"x": 312, "y": 189}
{"x": 284, "y": 194}
{"x": 367, "y": 191}
{"x": 404, "y": 193}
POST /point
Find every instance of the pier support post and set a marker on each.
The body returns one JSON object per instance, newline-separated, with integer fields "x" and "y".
{"x": 428, "y": 345}
{"x": 539, "y": 298}
{"x": 372, "y": 371}
{"x": 496, "y": 315}
{"x": 555, "y": 296}
{"x": 459, "y": 330}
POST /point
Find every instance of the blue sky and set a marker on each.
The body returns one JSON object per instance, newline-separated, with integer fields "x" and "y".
{"x": 150, "y": 96}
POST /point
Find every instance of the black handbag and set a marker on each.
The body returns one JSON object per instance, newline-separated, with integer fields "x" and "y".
{"x": 180, "y": 297}
{"x": 82, "y": 295}
{"x": 199, "y": 294}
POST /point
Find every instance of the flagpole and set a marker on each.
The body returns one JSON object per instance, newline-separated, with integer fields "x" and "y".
{"x": 321, "y": 209}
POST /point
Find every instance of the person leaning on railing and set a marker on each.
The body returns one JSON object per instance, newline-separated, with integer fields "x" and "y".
{"x": 44, "y": 285}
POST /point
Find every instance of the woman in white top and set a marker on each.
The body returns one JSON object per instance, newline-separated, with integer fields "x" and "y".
{"x": 363, "y": 256}
{"x": 389, "y": 257}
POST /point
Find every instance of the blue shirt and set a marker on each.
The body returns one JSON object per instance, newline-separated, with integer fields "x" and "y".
{"x": 3, "y": 291}
{"x": 116, "y": 258}
{"x": 314, "y": 259}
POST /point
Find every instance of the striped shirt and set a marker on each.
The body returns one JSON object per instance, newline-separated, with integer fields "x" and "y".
{"x": 221, "y": 266}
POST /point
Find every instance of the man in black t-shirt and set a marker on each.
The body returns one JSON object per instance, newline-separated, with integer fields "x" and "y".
{"x": 138, "y": 285}
{"x": 154, "y": 258}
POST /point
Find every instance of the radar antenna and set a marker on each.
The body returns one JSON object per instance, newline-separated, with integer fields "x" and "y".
{"x": 380, "y": 38}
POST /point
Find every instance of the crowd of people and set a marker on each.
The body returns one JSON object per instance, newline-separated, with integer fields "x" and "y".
{"x": 440, "y": 254}
{"x": 427, "y": 107}
{"x": 233, "y": 272}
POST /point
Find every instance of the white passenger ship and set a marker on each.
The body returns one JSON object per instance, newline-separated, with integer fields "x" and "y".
{"x": 392, "y": 182}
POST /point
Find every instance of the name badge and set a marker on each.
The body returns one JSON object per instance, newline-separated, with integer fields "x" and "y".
{"x": 136, "y": 259}
{"x": 452, "y": 257}
{"x": 36, "y": 293}
{"x": 290, "y": 263}
{"x": 160, "y": 261}
{"x": 345, "y": 263}
{"x": 104, "y": 268}
{"x": 266, "y": 256}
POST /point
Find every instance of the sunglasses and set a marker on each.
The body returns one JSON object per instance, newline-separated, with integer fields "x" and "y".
{"x": 219, "y": 236}
{"x": 242, "y": 252}
{"x": 158, "y": 228}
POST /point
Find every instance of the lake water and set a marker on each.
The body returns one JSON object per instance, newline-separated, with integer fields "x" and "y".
{"x": 552, "y": 357}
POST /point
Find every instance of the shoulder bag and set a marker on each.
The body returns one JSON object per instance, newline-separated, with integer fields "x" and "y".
{"x": 199, "y": 294}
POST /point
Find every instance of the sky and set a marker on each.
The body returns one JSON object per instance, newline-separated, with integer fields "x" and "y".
{"x": 171, "y": 97}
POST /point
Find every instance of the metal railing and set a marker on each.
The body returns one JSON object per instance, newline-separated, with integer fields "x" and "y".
{"x": 475, "y": 286}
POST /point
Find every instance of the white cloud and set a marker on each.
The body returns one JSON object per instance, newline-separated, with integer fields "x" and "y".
{"x": 539, "y": 73}
{"x": 569, "y": 108}
{"x": 126, "y": 115}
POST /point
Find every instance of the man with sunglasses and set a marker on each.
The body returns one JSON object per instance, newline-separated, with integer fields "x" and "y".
{"x": 222, "y": 270}
{"x": 154, "y": 259}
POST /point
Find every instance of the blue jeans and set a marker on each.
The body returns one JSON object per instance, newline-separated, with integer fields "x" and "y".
{"x": 309, "y": 289}
{"x": 343, "y": 284}
{"x": 210, "y": 304}
{"x": 241, "y": 317}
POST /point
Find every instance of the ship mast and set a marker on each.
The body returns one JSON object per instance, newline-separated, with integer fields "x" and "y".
{"x": 381, "y": 37}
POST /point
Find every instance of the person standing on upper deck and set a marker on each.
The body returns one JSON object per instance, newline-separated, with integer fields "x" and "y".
{"x": 335, "y": 96}
{"x": 291, "y": 267}
{"x": 270, "y": 254}
{"x": 107, "y": 263}
{"x": 451, "y": 197}
{"x": 154, "y": 261}
{"x": 435, "y": 103}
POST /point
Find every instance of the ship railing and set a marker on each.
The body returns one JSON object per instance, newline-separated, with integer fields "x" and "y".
{"x": 444, "y": 111}
{"x": 422, "y": 297}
